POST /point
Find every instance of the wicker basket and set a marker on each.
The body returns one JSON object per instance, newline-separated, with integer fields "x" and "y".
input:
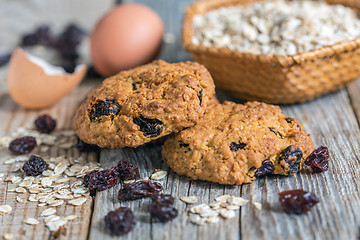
{"x": 275, "y": 79}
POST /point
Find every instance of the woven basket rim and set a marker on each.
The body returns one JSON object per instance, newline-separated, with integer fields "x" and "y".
{"x": 285, "y": 61}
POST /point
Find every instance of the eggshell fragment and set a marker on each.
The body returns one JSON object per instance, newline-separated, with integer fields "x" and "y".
{"x": 34, "y": 83}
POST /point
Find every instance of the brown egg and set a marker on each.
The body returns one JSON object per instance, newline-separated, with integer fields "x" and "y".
{"x": 33, "y": 83}
{"x": 127, "y": 36}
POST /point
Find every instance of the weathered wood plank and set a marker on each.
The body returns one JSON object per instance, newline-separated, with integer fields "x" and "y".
{"x": 13, "y": 117}
{"x": 332, "y": 123}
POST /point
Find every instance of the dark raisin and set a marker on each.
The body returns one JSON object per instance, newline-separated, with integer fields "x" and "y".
{"x": 22, "y": 145}
{"x": 162, "y": 208}
{"x": 102, "y": 180}
{"x": 267, "y": 167}
{"x": 134, "y": 86}
{"x": 139, "y": 189}
{"x": 4, "y": 59}
{"x": 290, "y": 159}
{"x": 128, "y": 171}
{"x": 45, "y": 123}
{"x": 277, "y": 133}
{"x": 30, "y": 39}
{"x": 163, "y": 198}
{"x": 290, "y": 120}
{"x": 85, "y": 147}
{"x": 182, "y": 144}
{"x": 68, "y": 40}
{"x": 42, "y": 35}
{"x": 34, "y": 166}
{"x": 120, "y": 221}
{"x": 235, "y": 146}
{"x": 150, "y": 127}
{"x": 318, "y": 160}
{"x": 109, "y": 107}
{"x": 200, "y": 96}
{"x": 297, "y": 201}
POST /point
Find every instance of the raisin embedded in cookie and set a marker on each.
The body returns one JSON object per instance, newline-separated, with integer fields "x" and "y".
{"x": 143, "y": 104}
{"x": 234, "y": 144}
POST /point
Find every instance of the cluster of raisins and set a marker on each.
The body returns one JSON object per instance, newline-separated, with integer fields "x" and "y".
{"x": 102, "y": 180}
{"x": 66, "y": 43}
{"x": 122, "y": 220}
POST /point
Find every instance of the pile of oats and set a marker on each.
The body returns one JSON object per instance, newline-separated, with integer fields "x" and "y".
{"x": 277, "y": 27}
{"x": 61, "y": 183}
{"x": 224, "y": 206}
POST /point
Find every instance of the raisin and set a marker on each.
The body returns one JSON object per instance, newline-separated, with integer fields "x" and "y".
{"x": 318, "y": 160}
{"x": 85, "y": 147}
{"x": 182, "y": 144}
{"x": 163, "y": 198}
{"x": 102, "y": 180}
{"x": 128, "y": 171}
{"x": 134, "y": 86}
{"x": 150, "y": 127}
{"x": 4, "y": 59}
{"x": 235, "y": 147}
{"x": 120, "y": 221}
{"x": 45, "y": 123}
{"x": 277, "y": 133}
{"x": 290, "y": 120}
{"x": 297, "y": 201}
{"x": 140, "y": 189}
{"x": 200, "y": 96}
{"x": 22, "y": 145}
{"x": 41, "y": 36}
{"x": 162, "y": 208}
{"x": 290, "y": 159}
{"x": 34, "y": 166}
{"x": 266, "y": 168}
{"x": 109, "y": 107}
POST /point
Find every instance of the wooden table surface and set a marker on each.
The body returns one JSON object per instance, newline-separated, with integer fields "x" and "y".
{"x": 332, "y": 120}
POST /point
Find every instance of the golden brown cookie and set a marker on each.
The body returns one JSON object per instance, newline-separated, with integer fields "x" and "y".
{"x": 143, "y": 104}
{"x": 234, "y": 143}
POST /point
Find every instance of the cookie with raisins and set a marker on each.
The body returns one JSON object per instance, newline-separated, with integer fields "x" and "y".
{"x": 235, "y": 143}
{"x": 143, "y": 104}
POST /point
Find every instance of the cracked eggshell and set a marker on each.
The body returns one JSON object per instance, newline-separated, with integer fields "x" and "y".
{"x": 34, "y": 83}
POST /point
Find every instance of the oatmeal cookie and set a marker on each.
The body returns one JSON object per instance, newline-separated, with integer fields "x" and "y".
{"x": 234, "y": 144}
{"x": 137, "y": 106}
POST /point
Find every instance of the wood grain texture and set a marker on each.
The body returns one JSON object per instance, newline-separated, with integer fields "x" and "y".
{"x": 12, "y": 117}
{"x": 332, "y": 123}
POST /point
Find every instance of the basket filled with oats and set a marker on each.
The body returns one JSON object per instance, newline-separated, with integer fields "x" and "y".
{"x": 275, "y": 51}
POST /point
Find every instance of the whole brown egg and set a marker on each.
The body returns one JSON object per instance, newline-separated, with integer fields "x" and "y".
{"x": 128, "y": 36}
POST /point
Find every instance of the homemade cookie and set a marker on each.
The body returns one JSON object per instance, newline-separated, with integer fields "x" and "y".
{"x": 143, "y": 104}
{"x": 234, "y": 143}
